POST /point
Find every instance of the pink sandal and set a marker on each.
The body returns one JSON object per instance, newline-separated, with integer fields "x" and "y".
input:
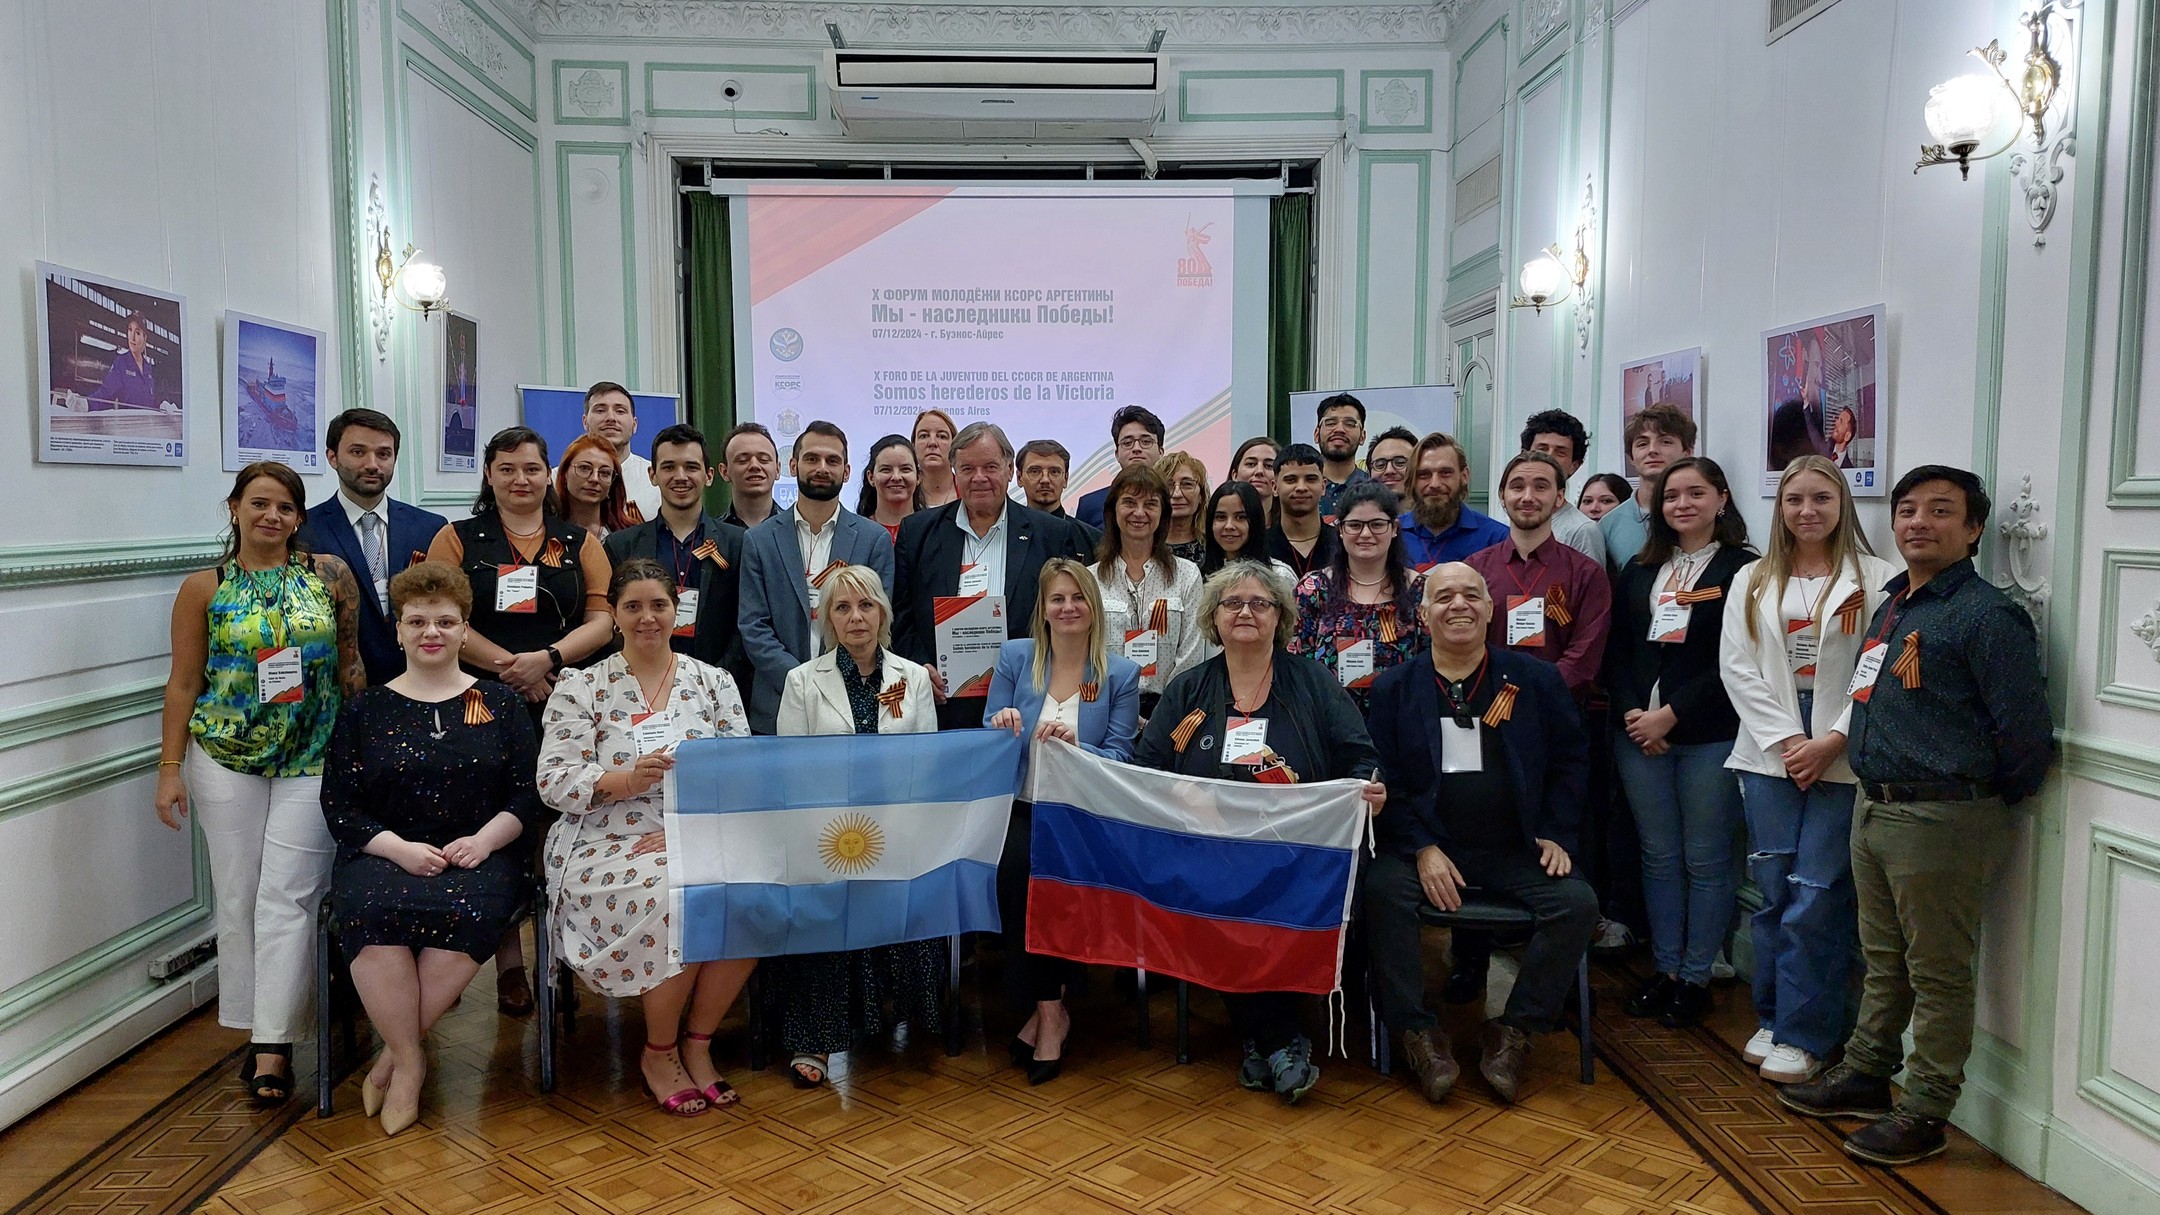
{"x": 719, "y": 1094}
{"x": 675, "y": 1103}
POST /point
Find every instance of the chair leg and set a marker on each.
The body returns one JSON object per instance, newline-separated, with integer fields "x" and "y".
{"x": 1140, "y": 989}
{"x": 1582, "y": 1019}
{"x": 1383, "y": 1060}
{"x": 1184, "y": 1021}
{"x": 325, "y": 1074}
{"x": 544, "y": 998}
{"x": 955, "y": 1031}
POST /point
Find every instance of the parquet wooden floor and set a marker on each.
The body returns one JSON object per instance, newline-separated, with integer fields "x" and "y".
{"x": 1677, "y": 1127}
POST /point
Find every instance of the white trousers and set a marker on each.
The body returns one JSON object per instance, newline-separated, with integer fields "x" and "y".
{"x": 270, "y": 857}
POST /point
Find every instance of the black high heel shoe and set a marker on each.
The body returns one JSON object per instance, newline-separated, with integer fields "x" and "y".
{"x": 267, "y": 1088}
{"x": 1022, "y": 1053}
{"x": 1043, "y": 1071}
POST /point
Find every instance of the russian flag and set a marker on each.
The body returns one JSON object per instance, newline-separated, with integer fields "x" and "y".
{"x": 846, "y": 841}
{"x": 1235, "y": 886}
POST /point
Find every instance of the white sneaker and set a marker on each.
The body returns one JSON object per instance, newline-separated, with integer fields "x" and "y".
{"x": 1789, "y": 1065}
{"x": 1758, "y": 1047}
{"x": 1721, "y": 968}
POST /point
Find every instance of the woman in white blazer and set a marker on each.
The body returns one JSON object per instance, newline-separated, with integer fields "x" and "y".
{"x": 1791, "y": 639}
{"x": 856, "y": 685}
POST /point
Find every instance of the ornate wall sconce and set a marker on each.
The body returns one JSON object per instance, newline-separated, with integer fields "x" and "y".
{"x": 1964, "y": 112}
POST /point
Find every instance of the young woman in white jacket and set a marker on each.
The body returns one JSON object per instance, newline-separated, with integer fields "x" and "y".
{"x": 1791, "y": 638}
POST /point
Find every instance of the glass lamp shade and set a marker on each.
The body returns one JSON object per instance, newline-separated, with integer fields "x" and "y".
{"x": 424, "y": 283}
{"x": 1542, "y": 279}
{"x": 1961, "y": 111}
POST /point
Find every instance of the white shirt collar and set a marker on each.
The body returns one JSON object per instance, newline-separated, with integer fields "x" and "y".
{"x": 804, "y": 526}
{"x": 960, "y": 520}
{"x": 353, "y": 511}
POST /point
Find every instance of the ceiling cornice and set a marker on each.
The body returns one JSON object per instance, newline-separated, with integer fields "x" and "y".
{"x": 984, "y": 25}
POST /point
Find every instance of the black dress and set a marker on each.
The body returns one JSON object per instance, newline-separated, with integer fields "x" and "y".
{"x": 432, "y": 774}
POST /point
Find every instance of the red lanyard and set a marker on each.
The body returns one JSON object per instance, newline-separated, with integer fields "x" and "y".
{"x": 1890, "y": 617}
{"x": 1538, "y": 579}
{"x": 1461, "y": 708}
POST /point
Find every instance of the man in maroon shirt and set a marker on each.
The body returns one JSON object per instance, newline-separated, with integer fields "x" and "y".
{"x": 1548, "y": 599}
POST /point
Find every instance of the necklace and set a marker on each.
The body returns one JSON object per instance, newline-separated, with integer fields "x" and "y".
{"x": 1246, "y": 704}
{"x": 1357, "y": 581}
{"x": 657, "y": 697}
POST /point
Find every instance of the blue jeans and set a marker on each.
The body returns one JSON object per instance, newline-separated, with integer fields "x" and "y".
{"x": 1807, "y": 932}
{"x": 1687, "y": 810}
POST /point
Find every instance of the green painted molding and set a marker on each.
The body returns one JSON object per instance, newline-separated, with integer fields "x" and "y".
{"x": 2119, "y": 765}
{"x": 1994, "y": 316}
{"x": 28, "y": 997}
{"x": 2094, "y": 1177}
{"x": 2127, "y": 487}
{"x": 1365, "y": 79}
{"x": 620, "y": 153}
{"x": 2115, "y": 854}
{"x": 532, "y": 71}
{"x": 511, "y": 127}
{"x": 20, "y": 797}
{"x": 1455, "y": 112}
{"x": 105, "y": 560}
{"x": 1423, "y": 163}
{"x": 347, "y": 197}
{"x": 808, "y": 73}
{"x": 622, "y": 86}
{"x": 2113, "y": 561}
{"x": 1522, "y": 56}
{"x": 1335, "y": 75}
{"x": 1479, "y": 275}
{"x": 58, "y": 718}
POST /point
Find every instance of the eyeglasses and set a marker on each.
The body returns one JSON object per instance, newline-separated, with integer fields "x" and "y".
{"x": 1137, "y": 443}
{"x": 1389, "y": 464}
{"x": 1258, "y": 607}
{"x": 1366, "y": 527}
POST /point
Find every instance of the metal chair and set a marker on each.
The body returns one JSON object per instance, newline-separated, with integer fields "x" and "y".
{"x": 336, "y": 1000}
{"x": 1498, "y": 914}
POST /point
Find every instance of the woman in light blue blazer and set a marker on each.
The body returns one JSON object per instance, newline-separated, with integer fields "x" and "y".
{"x": 1060, "y": 683}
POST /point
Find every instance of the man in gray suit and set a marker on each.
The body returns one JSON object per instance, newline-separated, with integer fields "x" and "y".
{"x": 787, "y": 557}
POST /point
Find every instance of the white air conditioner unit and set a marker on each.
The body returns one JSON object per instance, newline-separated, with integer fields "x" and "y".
{"x": 967, "y": 95}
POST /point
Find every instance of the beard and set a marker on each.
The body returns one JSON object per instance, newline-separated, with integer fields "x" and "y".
{"x": 1438, "y": 517}
{"x": 1342, "y": 452}
{"x": 818, "y": 491}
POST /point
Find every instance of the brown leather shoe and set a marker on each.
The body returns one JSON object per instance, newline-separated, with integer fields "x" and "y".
{"x": 1431, "y": 1058}
{"x": 513, "y": 995}
{"x": 1501, "y": 1064}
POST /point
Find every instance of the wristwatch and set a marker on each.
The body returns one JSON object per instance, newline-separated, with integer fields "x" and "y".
{"x": 555, "y": 656}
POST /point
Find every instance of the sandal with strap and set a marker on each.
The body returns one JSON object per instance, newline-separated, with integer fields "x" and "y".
{"x": 719, "y": 1093}
{"x": 267, "y": 1088}
{"x": 800, "y": 1070}
{"x": 678, "y": 1103}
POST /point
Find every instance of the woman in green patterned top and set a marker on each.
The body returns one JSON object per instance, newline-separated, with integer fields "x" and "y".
{"x": 264, "y": 649}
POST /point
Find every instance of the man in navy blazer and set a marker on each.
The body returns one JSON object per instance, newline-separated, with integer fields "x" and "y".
{"x": 704, "y": 554}
{"x": 1486, "y": 765}
{"x": 1136, "y": 435}
{"x": 785, "y": 559}
{"x": 371, "y": 532}
{"x": 982, "y": 527}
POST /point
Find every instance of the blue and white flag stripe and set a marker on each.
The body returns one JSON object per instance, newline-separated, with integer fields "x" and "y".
{"x": 807, "y": 845}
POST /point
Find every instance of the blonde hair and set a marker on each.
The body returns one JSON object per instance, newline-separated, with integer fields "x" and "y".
{"x": 1279, "y": 588}
{"x": 1845, "y": 542}
{"x": 864, "y": 581}
{"x": 1169, "y": 464}
{"x": 1098, "y": 660}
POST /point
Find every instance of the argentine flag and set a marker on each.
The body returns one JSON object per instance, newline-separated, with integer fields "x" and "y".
{"x": 830, "y": 842}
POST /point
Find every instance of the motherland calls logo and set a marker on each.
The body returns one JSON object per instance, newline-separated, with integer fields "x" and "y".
{"x": 1194, "y": 269}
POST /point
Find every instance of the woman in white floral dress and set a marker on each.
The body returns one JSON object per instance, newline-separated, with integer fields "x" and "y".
{"x": 603, "y": 757}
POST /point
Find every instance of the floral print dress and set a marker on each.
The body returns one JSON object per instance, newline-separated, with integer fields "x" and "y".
{"x": 608, "y": 909}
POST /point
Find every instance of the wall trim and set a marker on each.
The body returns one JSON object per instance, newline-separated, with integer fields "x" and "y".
{"x": 2127, "y": 487}
{"x": 436, "y": 75}
{"x": 2113, "y": 852}
{"x": 1422, "y": 161}
{"x": 807, "y": 72}
{"x": 60, "y": 1063}
{"x": 347, "y": 197}
{"x": 564, "y": 150}
{"x": 32, "y": 994}
{"x": 2113, "y": 561}
{"x": 2093, "y": 1177}
{"x": 1474, "y": 278}
{"x": 2119, "y": 765}
{"x": 1336, "y": 75}
{"x": 1378, "y": 128}
{"x": 1455, "y": 113}
{"x": 20, "y": 797}
{"x": 532, "y": 70}
{"x": 60, "y": 717}
{"x": 105, "y": 560}
{"x": 619, "y": 66}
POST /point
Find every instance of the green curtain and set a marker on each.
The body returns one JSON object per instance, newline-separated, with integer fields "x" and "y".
{"x": 709, "y": 330}
{"x": 1289, "y": 307}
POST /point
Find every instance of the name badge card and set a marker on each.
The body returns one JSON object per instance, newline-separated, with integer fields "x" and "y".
{"x": 1142, "y": 646}
{"x": 1244, "y": 740}
{"x": 278, "y": 677}
{"x": 1803, "y": 645}
{"x": 1865, "y": 671}
{"x": 653, "y": 732}
{"x": 686, "y": 612}
{"x": 974, "y": 580}
{"x": 1526, "y": 620}
{"x": 517, "y": 588}
{"x": 1354, "y": 662}
{"x": 1461, "y": 747}
{"x": 1669, "y": 619}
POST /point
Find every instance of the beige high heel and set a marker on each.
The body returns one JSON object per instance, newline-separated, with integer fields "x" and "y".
{"x": 372, "y": 1097}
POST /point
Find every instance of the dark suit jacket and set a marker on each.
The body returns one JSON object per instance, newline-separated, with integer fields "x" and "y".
{"x": 1548, "y": 755}
{"x": 411, "y": 530}
{"x": 775, "y": 612}
{"x": 716, "y": 641}
{"x": 1090, "y": 508}
{"x": 1686, "y": 674}
{"x": 926, "y": 562}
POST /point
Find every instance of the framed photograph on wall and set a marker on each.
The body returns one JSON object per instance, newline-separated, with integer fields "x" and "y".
{"x": 112, "y": 387}
{"x": 1822, "y": 394}
{"x": 460, "y": 395}
{"x": 271, "y": 378}
{"x": 1667, "y": 379}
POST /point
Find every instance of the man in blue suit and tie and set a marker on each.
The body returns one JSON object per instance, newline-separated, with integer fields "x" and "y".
{"x": 373, "y": 533}
{"x": 786, "y": 560}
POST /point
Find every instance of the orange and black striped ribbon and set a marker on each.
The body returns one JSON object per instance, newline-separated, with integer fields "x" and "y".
{"x": 1390, "y": 629}
{"x": 893, "y": 695}
{"x": 1159, "y": 617}
{"x": 1556, "y": 609}
{"x": 476, "y": 710}
{"x": 1090, "y": 691}
{"x": 552, "y": 555}
{"x": 419, "y": 555}
{"x": 1848, "y": 612}
{"x": 710, "y": 551}
{"x": 1503, "y": 705}
{"x": 827, "y": 572}
{"x": 1907, "y": 666}
{"x": 1182, "y": 736}
{"x": 1708, "y": 594}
